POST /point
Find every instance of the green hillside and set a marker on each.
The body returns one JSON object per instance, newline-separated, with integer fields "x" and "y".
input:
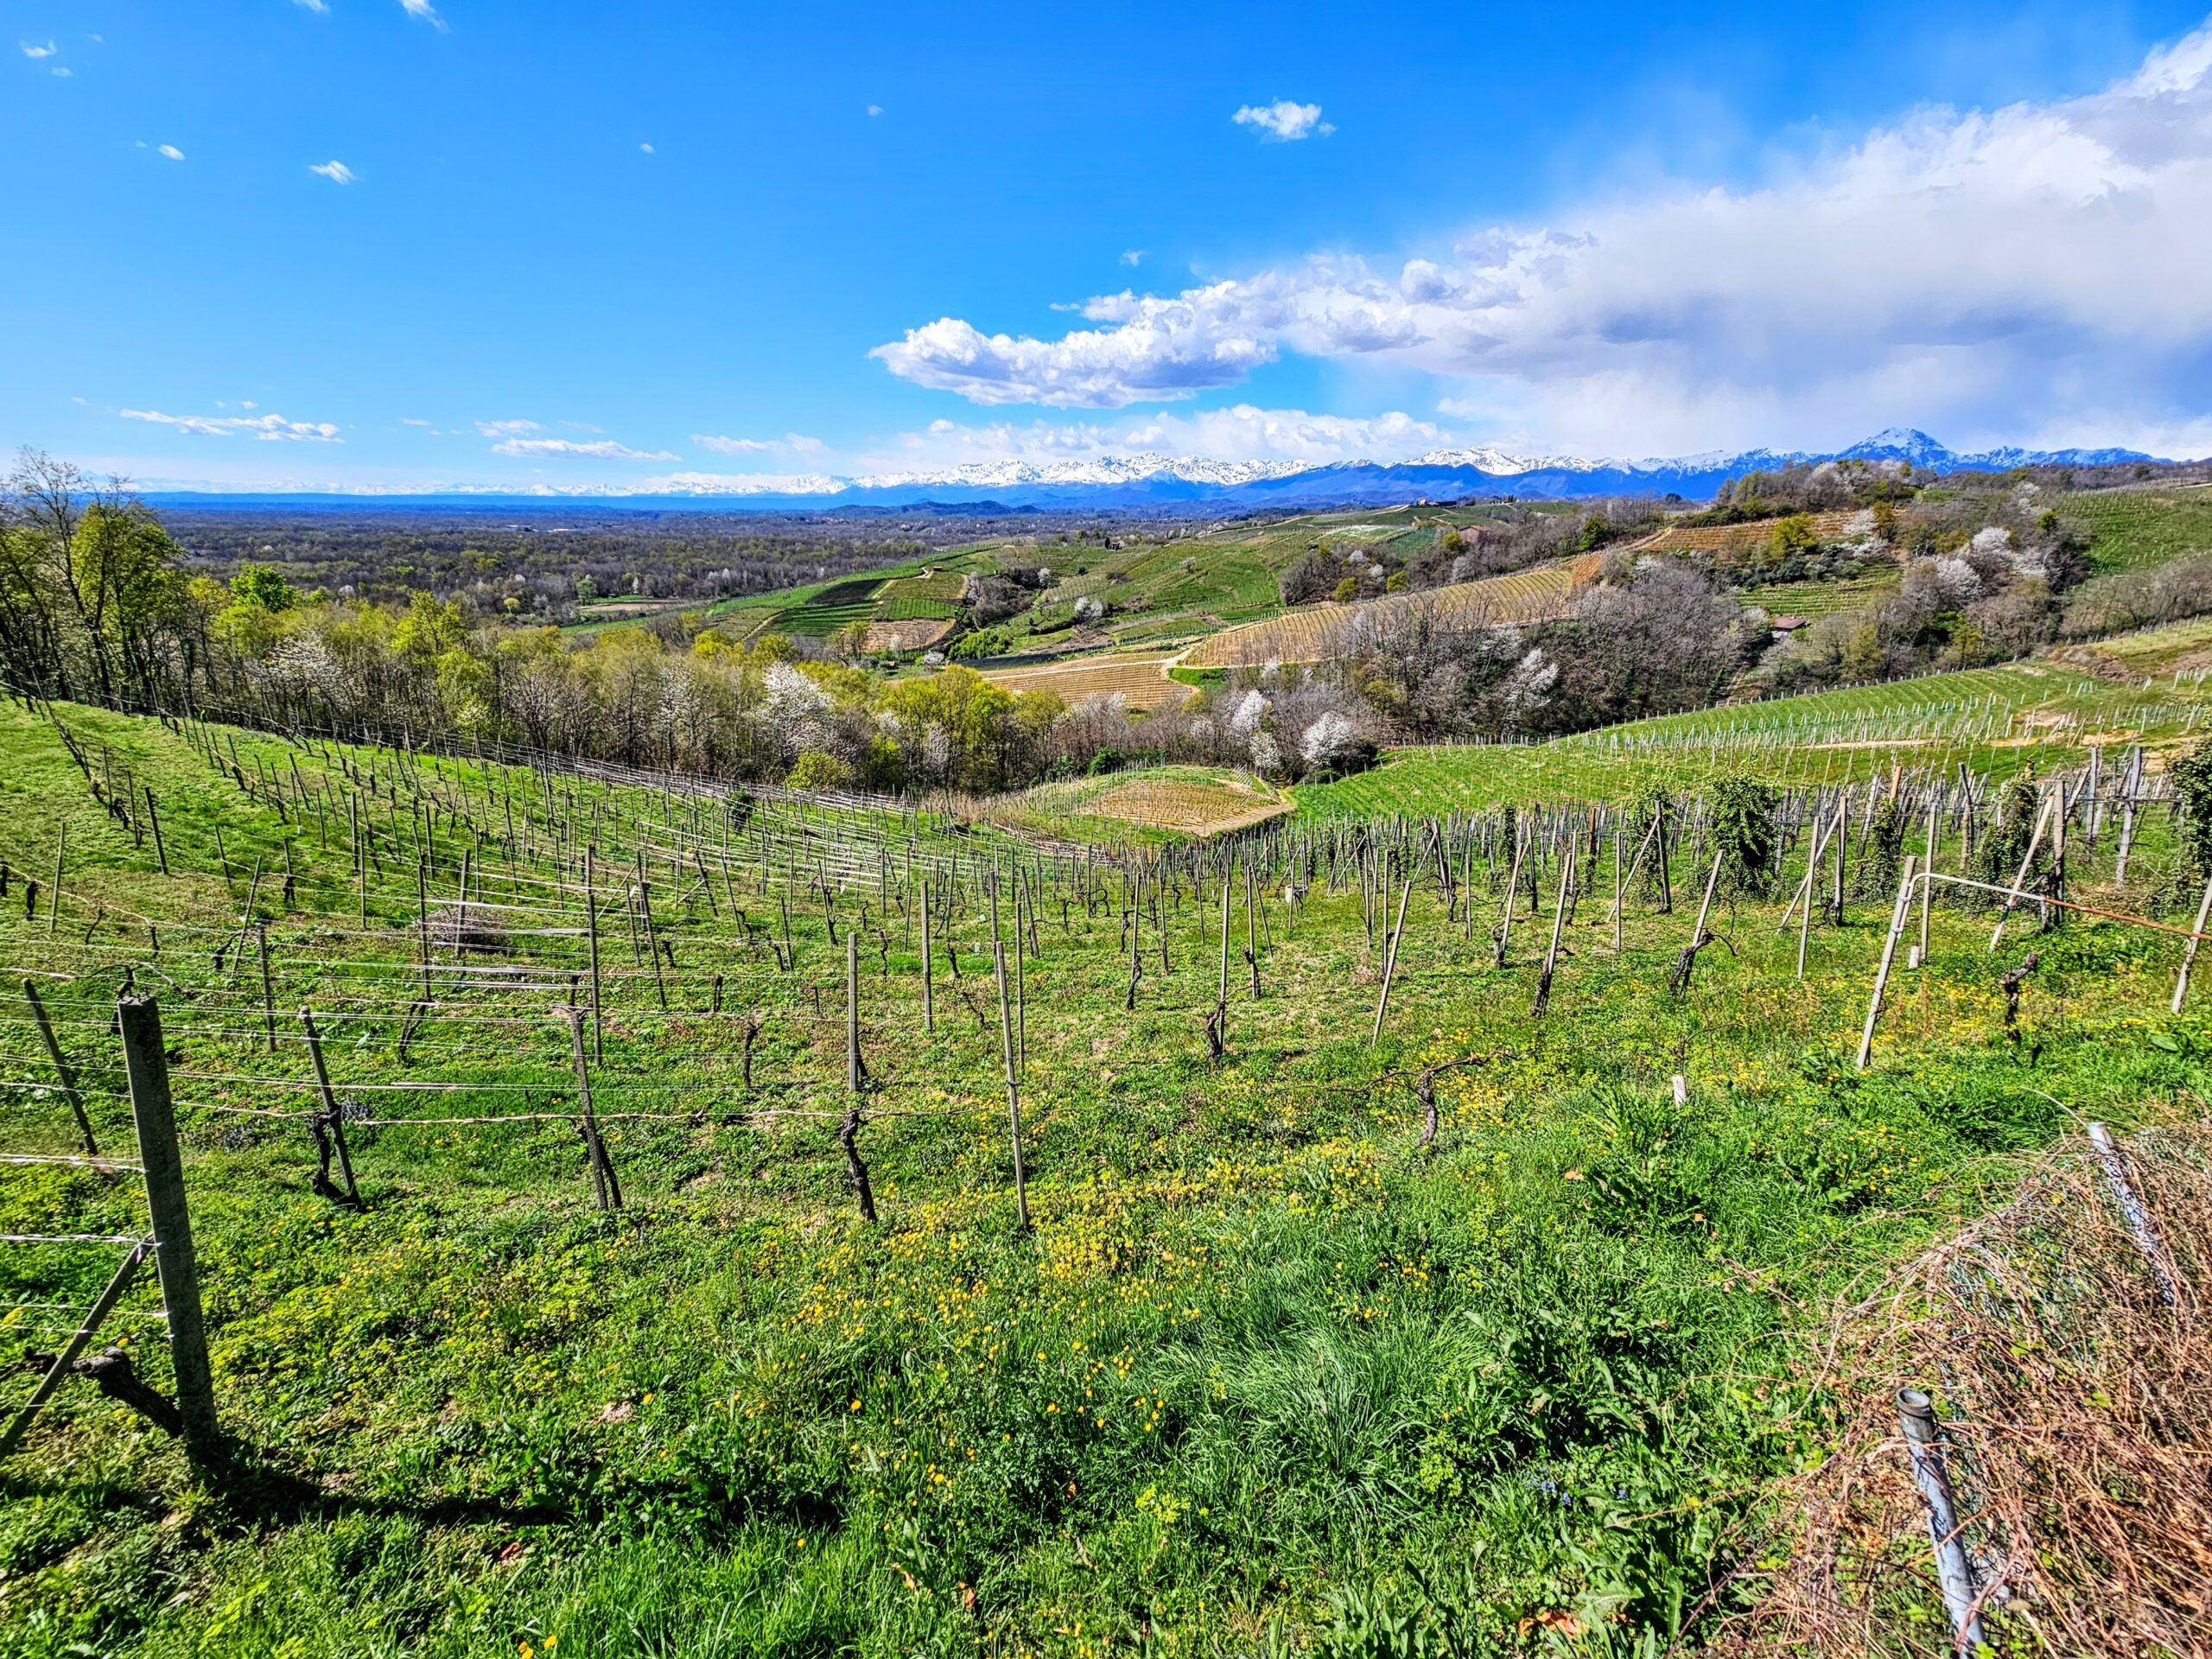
{"x": 1273, "y": 1364}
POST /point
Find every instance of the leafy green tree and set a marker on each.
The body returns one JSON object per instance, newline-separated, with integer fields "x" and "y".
{"x": 258, "y": 585}
{"x": 817, "y": 769}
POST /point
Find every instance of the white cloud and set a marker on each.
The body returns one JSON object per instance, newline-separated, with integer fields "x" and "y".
{"x": 600, "y": 449}
{"x": 37, "y": 52}
{"x": 170, "y": 151}
{"x": 336, "y": 172}
{"x": 1156, "y": 350}
{"x": 875, "y": 109}
{"x": 63, "y": 73}
{"x": 1973, "y": 273}
{"x": 791, "y": 444}
{"x": 507, "y": 429}
{"x": 317, "y": 6}
{"x": 646, "y": 149}
{"x": 424, "y": 10}
{"x": 1133, "y": 257}
{"x": 409, "y": 419}
{"x": 1283, "y": 122}
{"x": 271, "y": 428}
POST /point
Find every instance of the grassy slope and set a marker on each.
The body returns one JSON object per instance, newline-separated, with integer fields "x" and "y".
{"x": 1998, "y": 719}
{"x": 1258, "y": 1353}
{"x": 2131, "y": 530}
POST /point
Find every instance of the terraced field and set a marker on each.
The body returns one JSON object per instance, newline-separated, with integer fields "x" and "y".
{"x": 1813, "y": 599}
{"x": 1319, "y": 633}
{"x": 1140, "y": 681}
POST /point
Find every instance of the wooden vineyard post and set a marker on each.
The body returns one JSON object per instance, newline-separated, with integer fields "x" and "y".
{"x": 360, "y": 856}
{"x": 423, "y": 909}
{"x": 606, "y": 1191}
{"x": 929, "y": 968}
{"x": 2132, "y": 1211}
{"x": 53, "y": 900}
{"x": 268, "y": 997}
{"x": 2013, "y": 894}
{"x": 854, "y": 1069}
{"x": 855, "y": 1074}
{"x": 1390, "y": 963}
{"x": 1251, "y": 929}
{"x": 1221, "y": 992}
{"x": 652, "y": 938}
{"x": 1013, "y": 1091}
{"x": 146, "y": 1063}
{"x": 591, "y": 933}
{"x": 1686, "y": 964}
{"x": 329, "y": 1125}
{"x": 1618, "y": 902}
{"x": 66, "y": 1362}
{"x": 153, "y": 819}
{"x": 68, "y": 1073}
{"x": 1551, "y": 955}
{"x": 1898, "y": 913}
{"x": 2188, "y": 958}
{"x": 1928, "y": 867}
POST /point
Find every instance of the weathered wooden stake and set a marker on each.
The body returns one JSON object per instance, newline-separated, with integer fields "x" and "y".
{"x": 1390, "y": 963}
{"x": 1897, "y": 915}
{"x": 61, "y": 1067}
{"x": 332, "y": 1122}
{"x": 1013, "y": 1091}
{"x": 2188, "y": 954}
{"x": 146, "y": 1063}
{"x": 606, "y": 1192}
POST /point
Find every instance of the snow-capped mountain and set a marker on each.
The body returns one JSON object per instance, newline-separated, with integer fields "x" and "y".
{"x": 1151, "y": 483}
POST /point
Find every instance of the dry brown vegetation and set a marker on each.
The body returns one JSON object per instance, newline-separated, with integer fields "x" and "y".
{"x": 2076, "y": 1402}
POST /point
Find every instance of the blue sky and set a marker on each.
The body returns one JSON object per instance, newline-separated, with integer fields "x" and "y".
{"x": 567, "y": 245}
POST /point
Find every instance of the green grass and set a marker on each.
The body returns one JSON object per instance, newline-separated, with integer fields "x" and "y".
{"x": 2130, "y": 529}
{"x": 1262, "y": 1370}
{"x": 1995, "y": 720}
{"x": 1813, "y": 599}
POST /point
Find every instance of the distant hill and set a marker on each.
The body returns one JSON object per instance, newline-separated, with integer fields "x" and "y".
{"x": 1180, "y": 485}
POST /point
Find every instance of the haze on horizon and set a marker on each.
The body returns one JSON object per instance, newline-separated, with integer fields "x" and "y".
{"x": 394, "y": 245}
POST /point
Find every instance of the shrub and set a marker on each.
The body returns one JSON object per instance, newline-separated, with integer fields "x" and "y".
{"x": 818, "y": 769}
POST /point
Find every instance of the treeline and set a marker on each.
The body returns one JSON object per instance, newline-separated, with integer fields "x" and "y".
{"x": 535, "y": 562}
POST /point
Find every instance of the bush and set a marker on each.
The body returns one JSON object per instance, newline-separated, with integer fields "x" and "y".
{"x": 817, "y": 769}
{"x": 1743, "y": 834}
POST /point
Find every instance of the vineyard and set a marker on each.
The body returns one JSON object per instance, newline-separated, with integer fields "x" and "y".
{"x": 1321, "y": 632}
{"x": 631, "y": 1216}
{"x": 2133, "y": 530}
{"x": 1141, "y": 681}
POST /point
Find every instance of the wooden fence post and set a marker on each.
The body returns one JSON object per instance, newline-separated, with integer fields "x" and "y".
{"x": 606, "y": 1190}
{"x": 61, "y": 1067}
{"x": 154, "y": 817}
{"x": 2188, "y": 955}
{"x": 146, "y": 1063}
{"x": 929, "y": 968}
{"x": 1897, "y": 915}
{"x": 1012, "y": 1089}
{"x": 331, "y": 1125}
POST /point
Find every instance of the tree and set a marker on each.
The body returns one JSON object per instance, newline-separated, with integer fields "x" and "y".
{"x": 259, "y": 585}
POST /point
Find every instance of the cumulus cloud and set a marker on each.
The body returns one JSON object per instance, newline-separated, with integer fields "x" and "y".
{"x": 1154, "y": 350}
{"x": 169, "y": 150}
{"x": 794, "y": 443}
{"x": 598, "y": 449}
{"x": 1283, "y": 122}
{"x": 271, "y": 428}
{"x": 423, "y": 10}
{"x": 1983, "y": 274}
{"x": 336, "y": 172}
{"x": 1133, "y": 256}
{"x": 645, "y": 149}
{"x": 35, "y": 52}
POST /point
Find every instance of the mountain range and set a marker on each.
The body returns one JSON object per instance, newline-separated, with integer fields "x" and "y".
{"x": 1183, "y": 484}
